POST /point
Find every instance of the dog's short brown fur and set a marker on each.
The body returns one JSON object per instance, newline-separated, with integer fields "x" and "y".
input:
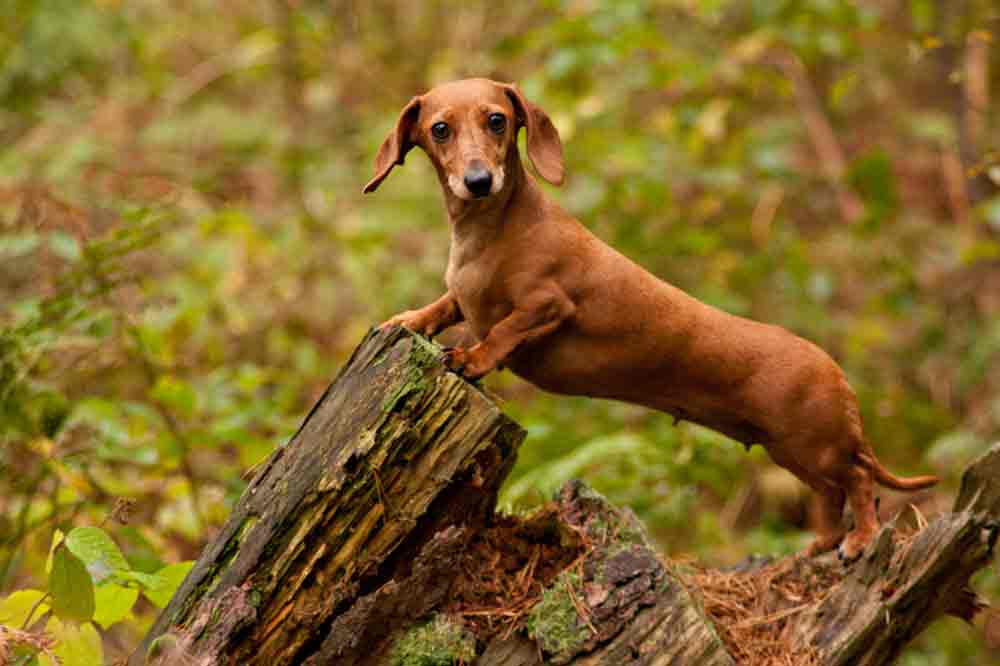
{"x": 559, "y": 307}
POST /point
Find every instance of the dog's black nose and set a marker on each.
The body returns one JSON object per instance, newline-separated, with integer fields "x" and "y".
{"x": 479, "y": 180}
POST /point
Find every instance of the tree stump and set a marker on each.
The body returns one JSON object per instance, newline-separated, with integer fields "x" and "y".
{"x": 395, "y": 451}
{"x": 371, "y": 538}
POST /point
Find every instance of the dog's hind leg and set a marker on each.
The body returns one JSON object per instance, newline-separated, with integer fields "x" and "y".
{"x": 827, "y": 516}
{"x": 828, "y": 504}
{"x": 861, "y": 495}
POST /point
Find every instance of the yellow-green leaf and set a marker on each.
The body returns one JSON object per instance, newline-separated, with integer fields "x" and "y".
{"x": 71, "y": 587}
{"x": 98, "y": 552}
{"x": 76, "y": 645}
{"x": 57, "y": 538}
{"x": 113, "y": 603}
{"x": 172, "y": 576}
{"x": 147, "y": 581}
{"x": 14, "y": 609}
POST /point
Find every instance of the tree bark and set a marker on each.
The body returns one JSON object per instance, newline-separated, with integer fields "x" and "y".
{"x": 378, "y": 516}
{"x": 395, "y": 451}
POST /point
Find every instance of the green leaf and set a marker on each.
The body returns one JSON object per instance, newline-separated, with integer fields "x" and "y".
{"x": 71, "y": 587}
{"x": 113, "y": 603}
{"x": 14, "y": 609}
{"x": 147, "y": 581}
{"x": 76, "y": 645}
{"x": 171, "y": 577}
{"x": 57, "y": 538}
{"x": 96, "y": 549}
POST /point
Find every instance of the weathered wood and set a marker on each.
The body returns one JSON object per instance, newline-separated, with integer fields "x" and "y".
{"x": 620, "y": 605}
{"x": 897, "y": 590}
{"x": 879, "y": 604}
{"x": 397, "y": 449}
{"x": 632, "y": 608}
{"x": 882, "y": 602}
{"x": 351, "y": 537}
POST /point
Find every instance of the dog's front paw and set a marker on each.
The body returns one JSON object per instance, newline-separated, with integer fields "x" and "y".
{"x": 412, "y": 320}
{"x": 469, "y": 363}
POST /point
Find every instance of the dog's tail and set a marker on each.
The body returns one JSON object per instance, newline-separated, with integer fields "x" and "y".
{"x": 890, "y": 480}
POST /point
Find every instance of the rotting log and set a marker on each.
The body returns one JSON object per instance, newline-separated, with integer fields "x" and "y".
{"x": 397, "y": 450}
{"x": 795, "y": 611}
{"x": 377, "y": 517}
{"x": 627, "y": 605}
{"x": 901, "y": 585}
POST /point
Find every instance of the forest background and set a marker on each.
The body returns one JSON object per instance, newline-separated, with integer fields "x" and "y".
{"x": 186, "y": 258}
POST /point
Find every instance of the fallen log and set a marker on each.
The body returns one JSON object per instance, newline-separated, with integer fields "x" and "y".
{"x": 371, "y": 538}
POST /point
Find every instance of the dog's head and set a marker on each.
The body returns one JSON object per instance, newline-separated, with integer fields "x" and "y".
{"x": 468, "y": 128}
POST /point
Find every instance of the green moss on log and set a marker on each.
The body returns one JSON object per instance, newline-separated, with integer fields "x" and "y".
{"x": 162, "y": 646}
{"x": 554, "y": 622}
{"x": 439, "y": 642}
{"x": 423, "y": 356}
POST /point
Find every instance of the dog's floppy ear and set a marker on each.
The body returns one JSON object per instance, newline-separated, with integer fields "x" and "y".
{"x": 544, "y": 147}
{"x": 393, "y": 150}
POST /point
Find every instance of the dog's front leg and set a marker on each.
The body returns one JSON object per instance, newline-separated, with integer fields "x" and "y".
{"x": 536, "y": 316}
{"x": 431, "y": 319}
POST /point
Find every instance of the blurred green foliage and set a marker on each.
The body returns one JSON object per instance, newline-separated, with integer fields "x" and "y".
{"x": 186, "y": 258}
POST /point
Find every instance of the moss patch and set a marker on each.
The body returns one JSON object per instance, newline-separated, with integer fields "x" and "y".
{"x": 439, "y": 642}
{"x": 423, "y": 355}
{"x": 554, "y": 622}
{"x": 166, "y": 644}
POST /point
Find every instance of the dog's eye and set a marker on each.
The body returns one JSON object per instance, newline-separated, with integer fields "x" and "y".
{"x": 440, "y": 131}
{"x": 497, "y": 122}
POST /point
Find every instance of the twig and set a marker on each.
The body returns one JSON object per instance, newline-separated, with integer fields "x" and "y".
{"x": 581, "y": 610}
{"x": 774, "y": 617}
{"x": 31, "y": 611}
{"x": 529, "y": 569}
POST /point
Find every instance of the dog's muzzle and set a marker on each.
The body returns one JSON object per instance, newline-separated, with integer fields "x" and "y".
{"x": 478, "y": 180}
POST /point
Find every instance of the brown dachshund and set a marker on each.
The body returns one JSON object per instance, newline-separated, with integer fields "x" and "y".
{"x": 552, "y": 302}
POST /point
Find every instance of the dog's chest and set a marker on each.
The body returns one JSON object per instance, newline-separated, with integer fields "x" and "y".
{"x": 478, "y": 288}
